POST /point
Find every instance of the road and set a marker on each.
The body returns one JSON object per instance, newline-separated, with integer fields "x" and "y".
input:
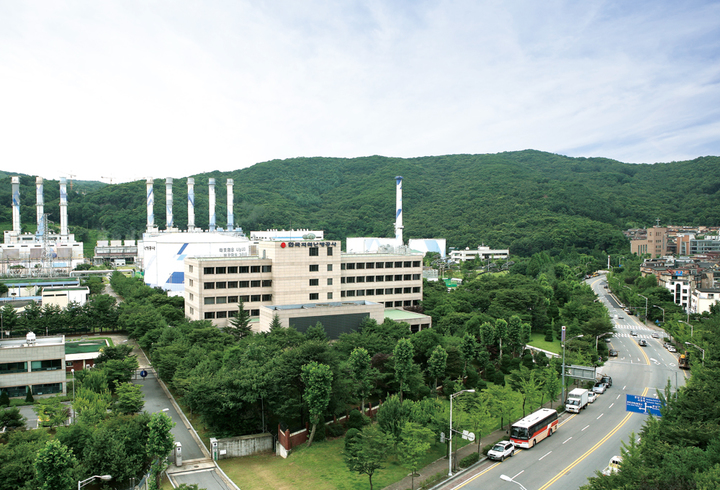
{"x": 585, "y": 442}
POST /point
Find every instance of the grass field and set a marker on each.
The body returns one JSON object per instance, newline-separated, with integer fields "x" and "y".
{"x": 88, "y": 345}
{"x": 538, "y": 340}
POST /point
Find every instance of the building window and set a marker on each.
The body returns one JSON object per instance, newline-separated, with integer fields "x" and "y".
{"x": 232, "y": 299}
{"x": 329, "y": 267}
{"x": 314, "y": 268}
{"x": 209, "y": 285}
{"x": 314, "y": 296}
{"x": 388, "y": 278}
{"x": 406, "y": 264}
{"x": 255, "y": 269}
{"x": 416, "y": 290}
{"x": 220, "y": 270}
{"x": 267, "y": 297}
{"x": 388, "y": 265}
{"x": 255, "y": 284}
{"x": 342, "y": 280}
{"x": 370, "y": 279}
{"x": 232, "y": 284}
{"x": 350, "y": 266}
{"x": 267, "y": 283}
{"x": 360, "y": 265}
{"x": 398, "y": 290}
{"x": 254, "y": 312}
{"x": 267, "y": 268}
{"x": 351, "y": 293}
{"x": 13, "y": 367}
{"x": 416, "y": 302}
{"x": 314, "y": 282}
{"x": 190, "y": 268}
{"x": 370, "y": 265}
{"x": 342, "y": 266}
{"x": 244, "y": 269}
{"x": 232, "y": 313}
{"x": 361, "y": 292}
{"x": 191, "y": 283}
{"x": 388, "y": 291}
{"x": 220, "y": 300}
{"x": 379, "y": 265}
{"x": 398, "y": 277}
{"x": 192, "y": 310}
{"x": 370, "y": 292}
{"x": 416, "y": 263}
{"x": 398, "y": 265}
{"x": 342, "y": 294}
{"x": 48, "y": 365}
{"x": 209, "y": 315}
{"x": 244, "y": 284}
{"x": 221, "y": 285}
{"x": 209, "y": 300}
{"x": 221, "y": 314}
{"x": 329, "y": 296}
{"x": 379, "y": 278}
{"x": 329, "y": 250}
{"x": 398, "y": 304}
{"x": 191, "y": 296}
{"x": 388, "y": 304}
{"x": 351, "y": 280}
{"x": 254, "y": 297}
{"x": 416, "y": 277}
{"x": 245, "y": 298}
{"x": 314, "y": 251}
{"x": 406, "y": 290}
{"x": 360, "y": 279}
{"x": 208, "y": 270}
{"x": 406, "y": 277}
{"x": 379, "y": 292}
{"x": 232, "y": 270}
{"x": 329, "y": 281}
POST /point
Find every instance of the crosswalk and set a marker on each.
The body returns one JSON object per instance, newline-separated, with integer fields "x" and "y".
{"x": 638, "y": 336}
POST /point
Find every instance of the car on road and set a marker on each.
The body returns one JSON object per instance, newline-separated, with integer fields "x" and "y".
{"x": 592, "y": 396}
{"x": 642, "y": 343}
{"x": 672, "y": 349}
{"x": 501, "y": 450}
{"x": 608, "y": 339}
{"x": 655, "y": 335}
{"x": 600, "y": 387}
{"x": 633, "y": 333}
{"x": 606, "y": 379}
{"x": 612, "y": 353}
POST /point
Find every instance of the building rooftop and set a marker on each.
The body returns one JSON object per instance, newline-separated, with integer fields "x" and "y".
{"x": 38, "y": 342}
{"x": 399, "y": 315}
{"x": 331, "y": 304}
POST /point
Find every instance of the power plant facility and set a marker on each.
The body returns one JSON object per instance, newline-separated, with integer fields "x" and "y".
{"x": 43, "y": 253}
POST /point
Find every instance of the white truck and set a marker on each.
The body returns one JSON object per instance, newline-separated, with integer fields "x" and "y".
{"x": 613, "y": 466}
{"x": 577, "y": 399}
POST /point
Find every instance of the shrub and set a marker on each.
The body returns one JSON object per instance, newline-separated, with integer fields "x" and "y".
{"x": 334, "y": 430}
{"x": 469, "y": 460}
{"x": 319, "y": 433}
{"x": 356, "y": 420}
{"x": 350, "y": 437}
{"x": 28, "y": 396}
{"x": 423, "y": 392}
{"x": 472, "y": 378}
{"x": 4, "y": 399}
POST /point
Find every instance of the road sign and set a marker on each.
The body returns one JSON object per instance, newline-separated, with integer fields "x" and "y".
{"x": 470, "y": 436}
{"x": 563, "y": 334}
{"x": 143, "y": 373}
{"x": 642, "y": 404}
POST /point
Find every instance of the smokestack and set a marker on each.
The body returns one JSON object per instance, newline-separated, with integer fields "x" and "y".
{"x": 16, "y": 204}
{"x": 40, "y": 206}
{"x": 230, "y": 216}
{"x": 63, "y": 207}
{"x": 398, "y": 211}
{"x": 191, "y": 204}
{"x": 150, "y": 203}
{"x": 211, "y": 186}
{"x": 168, "y": 203}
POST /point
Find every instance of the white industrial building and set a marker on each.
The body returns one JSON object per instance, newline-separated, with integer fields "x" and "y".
{"x": 485, "y": 253}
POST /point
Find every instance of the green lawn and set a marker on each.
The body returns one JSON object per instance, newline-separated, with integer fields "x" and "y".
{"x": 538, "y": 340}
{"x": 88, "y": 345}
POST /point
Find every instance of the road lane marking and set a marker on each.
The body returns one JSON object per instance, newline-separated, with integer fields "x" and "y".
{"x": 623, "y": 386}
{"x": 599, "y": 416}
{"x": 523, "y": 471}
{"x": 567, "y": 420}
{"x": 591, "y": 450}
{"x": 618, "y": 395}
{"x": 613, "y": 403}
{"x": 585, "y": 428}
{"x": 544, "y": 455}
{"x": 476, "y": 476}
{"x": 566, "y": 440}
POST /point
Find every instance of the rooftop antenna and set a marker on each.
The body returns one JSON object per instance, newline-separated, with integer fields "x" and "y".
{"x": 657, "y": 222}
{"x": 70, "y": 178}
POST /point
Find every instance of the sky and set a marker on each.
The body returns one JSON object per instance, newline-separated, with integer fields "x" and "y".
{"x": 125, "y": 90}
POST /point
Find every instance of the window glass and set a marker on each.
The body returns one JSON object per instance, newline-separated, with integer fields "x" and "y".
{"x": 314, "y": 251}
{"x": 208, "y": 270}
{"x": 314, "y": 267}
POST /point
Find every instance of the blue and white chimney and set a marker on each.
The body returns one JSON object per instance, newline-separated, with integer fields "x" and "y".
{"x": 40, "y": 206}
{"x": 16, "y": 204}
{"x": 191, "y": 204}
{"x": 211, "y": 198}
{"x": 398, "y": 211}
{"x": 168, "y": 203}
{"x": 150, "y": 204}
{"x": 63, "y": 207}
{"x": 230, "y": 216}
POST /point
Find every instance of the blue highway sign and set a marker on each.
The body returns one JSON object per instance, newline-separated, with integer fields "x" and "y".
{"x": 642, "y": 404}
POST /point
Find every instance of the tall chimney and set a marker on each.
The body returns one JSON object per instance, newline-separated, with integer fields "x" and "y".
{"x": 230, "y": 216}
{"x": 150, "y": 203}
{"x": 16, "y": 204}
{"x": 40, "y": 205}
{"x": 191, "y": 204}
{"x": 398, "y": 211}
{"x": 168, "y": 203}
{"x": 211, "y": 189}
{"x": 63, "y": 207}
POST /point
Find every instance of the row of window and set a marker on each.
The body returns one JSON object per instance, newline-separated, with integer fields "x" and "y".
{"x": 373, "y": 292}
{"x": 252, "y": 298}
{"x": 387, "y": 278}
{"x": 43, "y": 389}
{"x": 211, "y": 315}
{"x": 242, "y": 269}
{"x": 379, "y": 265}
{"x": 266, "y": 283}
{"x": 22, "y": 367}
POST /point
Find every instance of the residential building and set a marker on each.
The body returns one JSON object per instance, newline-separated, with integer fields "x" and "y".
{"x": 702, "y": 299}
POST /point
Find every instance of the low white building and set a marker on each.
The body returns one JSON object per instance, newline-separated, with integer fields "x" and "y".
{"x": 63, "y": 296}
{"x": 35, "y": 363}
{"x": 485, "y": 253}
{"x": 702, "y": 299}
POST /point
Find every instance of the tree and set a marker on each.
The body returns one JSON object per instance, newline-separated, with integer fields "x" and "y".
{"x": 514, "y": 333}
{"x": 404, "y": 365}
{"x": 4, "y": 398}
{"x": 28, "y": 396}
{"x": 318, "y": 386}
{"x": 160, "y": 441}
{"x": 130, "y": 398}
{"x": 501, "y": 332}
{"x": 501, "y": 401}
{"x": 468, "y": 350}
{"x": 477, "y": 407}
{"x": 525, "y": 381}
{"x": 118, "y": 352}
{"x": 487, "y": 334}
{"x": 367, "y": 453}
{"x": 361, "y": 372}
{"x": 55, "y": 466}
{"x": 437, "y": 364}
{"x": 240, "y": 324}
{"x": 51, "y": 412}
{"x": 11, "y": 418}
{"x": 91, "y": 407}
{"x": 415, "y": 441}
{"x": 275, "y": 325}
{"x": 316, "y": 332}
{"x": 392, "y": 415}
{"x": 551, "y": 383}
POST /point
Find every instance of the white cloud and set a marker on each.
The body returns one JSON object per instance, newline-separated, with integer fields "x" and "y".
{"x": 135, "y": 89}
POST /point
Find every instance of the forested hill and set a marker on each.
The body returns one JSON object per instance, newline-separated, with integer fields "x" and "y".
{"x": 526, "y": 200}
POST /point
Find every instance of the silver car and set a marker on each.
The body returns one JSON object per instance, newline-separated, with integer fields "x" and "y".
{"x": 600, "y": 387}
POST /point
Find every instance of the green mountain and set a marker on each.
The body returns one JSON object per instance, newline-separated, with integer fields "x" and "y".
{"x": 527, "y": 200}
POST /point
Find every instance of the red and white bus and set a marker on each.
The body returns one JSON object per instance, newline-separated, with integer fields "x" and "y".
{"x": 532, "y": 429}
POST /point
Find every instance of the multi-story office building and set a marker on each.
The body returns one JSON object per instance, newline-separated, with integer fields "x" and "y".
{"x": 35, "y": 363}
{"x": 304, "y": 273}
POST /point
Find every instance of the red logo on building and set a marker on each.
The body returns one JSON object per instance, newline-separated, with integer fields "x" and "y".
{"x": 283, "y": 245}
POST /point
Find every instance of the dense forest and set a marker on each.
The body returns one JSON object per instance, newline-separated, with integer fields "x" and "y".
{"x": 529, "y": 201}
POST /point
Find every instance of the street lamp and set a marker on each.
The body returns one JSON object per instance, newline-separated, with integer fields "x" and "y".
{"x": 646, "y": 303}
{"x": 563, "y": 360}
{"x": 507, "y": 478}
{"x": 700, "y": 348}
{"x": 691, "y": 327}
{"x": 92, "y": 478}
{"x": 663, "y": 310}
{"x": 451, "y": 428}
{"x": 601, "y": 335}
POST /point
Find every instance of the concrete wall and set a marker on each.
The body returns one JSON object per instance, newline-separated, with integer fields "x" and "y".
{"x": 233, "y": 447}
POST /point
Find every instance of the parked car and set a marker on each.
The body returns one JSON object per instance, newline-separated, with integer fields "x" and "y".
{"x": 612, "y": 353}
{"x": 608, "y": 339}
{"x": 667, "y": 344}
{"x": 592, "y": 396}
{"x": 672, "y": 349}
{"x": 599, "y": 387}
{"x": 501, "y": 450}
{"x": 606, "y": 379}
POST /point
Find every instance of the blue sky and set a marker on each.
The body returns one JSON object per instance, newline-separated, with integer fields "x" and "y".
{"x": 135, "y": 89}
